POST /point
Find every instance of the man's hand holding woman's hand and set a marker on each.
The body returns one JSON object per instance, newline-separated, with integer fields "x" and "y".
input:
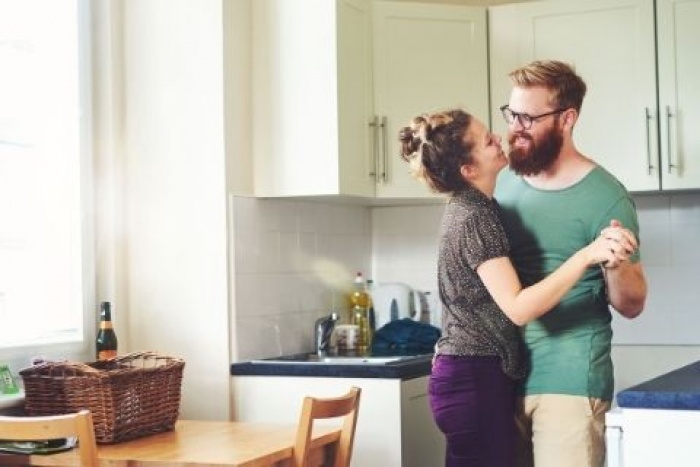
{"x": 614, "y": 245}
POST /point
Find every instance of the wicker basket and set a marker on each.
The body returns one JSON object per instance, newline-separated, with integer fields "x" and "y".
{"x": 130, "y": 396}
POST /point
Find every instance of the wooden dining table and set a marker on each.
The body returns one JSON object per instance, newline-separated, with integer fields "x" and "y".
{"x": 199, "y": 443}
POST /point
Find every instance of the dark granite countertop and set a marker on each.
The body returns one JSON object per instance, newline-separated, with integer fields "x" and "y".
{"x": 678, "y": 389}
{"x": 407, "y": 367}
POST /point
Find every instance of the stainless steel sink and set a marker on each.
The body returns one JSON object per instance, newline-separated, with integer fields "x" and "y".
{"x": 323, "y": 359}
{"x": 360, "y": 360}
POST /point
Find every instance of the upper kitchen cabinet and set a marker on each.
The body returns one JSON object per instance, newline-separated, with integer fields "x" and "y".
{"x": 678, "y": 38}
{"x": 333, "y": 82}
{"x": 612, "y": 44}
{"x": 426, "y": 57}
{"x": 312, "y": 97}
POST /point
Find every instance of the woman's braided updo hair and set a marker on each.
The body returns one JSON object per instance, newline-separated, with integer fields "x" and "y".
{"x": 434, "y": 145}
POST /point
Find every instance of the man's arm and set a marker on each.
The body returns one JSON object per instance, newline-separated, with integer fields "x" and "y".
{"x": 626, "y": 284}
{"x": 627, "y": 288}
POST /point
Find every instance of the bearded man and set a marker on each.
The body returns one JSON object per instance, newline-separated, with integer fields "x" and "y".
{"x": 553, "y": 201}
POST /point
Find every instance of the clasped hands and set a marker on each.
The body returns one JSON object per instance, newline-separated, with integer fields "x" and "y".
{"x": 614, "y": 245}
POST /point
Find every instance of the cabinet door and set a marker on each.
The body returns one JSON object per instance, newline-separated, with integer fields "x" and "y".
{"x": 355, "y": 99}
{"x": 679, "y": 93}
{"x": 310, "y": 134}
{"x": 426, "y": 58}
{"x": 422, "y": 443}
{"x": 611, "y": 45}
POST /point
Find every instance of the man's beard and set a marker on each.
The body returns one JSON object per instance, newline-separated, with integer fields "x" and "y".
{"x": 539, "y": 157}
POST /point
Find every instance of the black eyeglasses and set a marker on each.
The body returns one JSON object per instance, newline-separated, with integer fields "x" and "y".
{"x": 523, "y": 119}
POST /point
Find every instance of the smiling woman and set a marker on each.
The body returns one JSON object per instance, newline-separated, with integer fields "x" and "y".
{"x": 44, "y": 116}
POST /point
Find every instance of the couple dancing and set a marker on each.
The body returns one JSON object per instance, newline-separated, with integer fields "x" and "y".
{"x": 523, "y": 373}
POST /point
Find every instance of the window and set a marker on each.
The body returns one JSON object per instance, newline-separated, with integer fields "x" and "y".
{"x": 44, "y": 172}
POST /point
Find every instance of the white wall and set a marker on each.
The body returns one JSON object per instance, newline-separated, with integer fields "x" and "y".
{"x": 173, "y": 256}
{"x": 670, "y": 227}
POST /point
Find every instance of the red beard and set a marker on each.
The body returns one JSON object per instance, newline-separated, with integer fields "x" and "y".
{"x": 538, "y": 156}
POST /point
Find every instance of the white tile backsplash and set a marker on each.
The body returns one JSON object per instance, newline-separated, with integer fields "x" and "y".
{"x": 685, "y": 210}
{"x": 295, "y": 258}
{"x": 655, "y": 230}
{"x": 404, "y": 245}
{"x": 257, "y": 252}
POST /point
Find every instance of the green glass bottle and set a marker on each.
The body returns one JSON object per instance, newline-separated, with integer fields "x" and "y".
{"x": 106, "y": 342}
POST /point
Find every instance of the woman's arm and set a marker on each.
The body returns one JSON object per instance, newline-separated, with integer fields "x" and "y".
{"x": 524, "y": 305}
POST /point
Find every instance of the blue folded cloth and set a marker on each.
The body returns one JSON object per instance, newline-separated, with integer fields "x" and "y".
{"x": 405, "y": 336}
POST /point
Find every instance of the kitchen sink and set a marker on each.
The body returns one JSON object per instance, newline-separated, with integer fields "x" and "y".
{"x": 326, "y": 359}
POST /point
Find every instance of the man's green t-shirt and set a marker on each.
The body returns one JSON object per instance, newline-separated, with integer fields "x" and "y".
{"x": 569, "y": 346}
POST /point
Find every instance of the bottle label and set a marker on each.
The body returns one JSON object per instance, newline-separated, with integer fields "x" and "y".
{"x": 106, "y": 354}
{"x": 8, "y": 385}
{"x": 347, "y": 336}
{"x": 106, "y": 325}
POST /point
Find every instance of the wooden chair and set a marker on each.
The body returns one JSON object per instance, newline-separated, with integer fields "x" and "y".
{"x": 314, "y": 408}
{"x": 53, "y": 427}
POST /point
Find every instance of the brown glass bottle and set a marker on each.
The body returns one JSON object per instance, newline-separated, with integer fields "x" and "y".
{"x": 106, "y": 342}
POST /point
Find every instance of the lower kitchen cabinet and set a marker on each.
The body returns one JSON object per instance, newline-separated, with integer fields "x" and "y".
{"x": 394, "y": 428}
{"x": 652, "y": 437}
{"x": 656, "y": 422}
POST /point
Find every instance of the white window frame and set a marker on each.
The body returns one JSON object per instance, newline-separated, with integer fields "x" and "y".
{"x": 77, "y": 347}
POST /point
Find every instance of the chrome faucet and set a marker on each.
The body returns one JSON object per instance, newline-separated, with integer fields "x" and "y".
{"x": 324, "y": 329}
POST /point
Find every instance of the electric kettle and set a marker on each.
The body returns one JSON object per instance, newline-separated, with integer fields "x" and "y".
{"x": 394, "y": 300}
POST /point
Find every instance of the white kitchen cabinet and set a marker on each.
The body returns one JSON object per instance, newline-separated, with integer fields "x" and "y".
{"x": 652, "y": 437}
{"x": 678, "y": 38}
{"x": 312, "y": 97}
{"x": 334, "y": 81}
{"x": 394, "y": 428}
{"x": 426, "y": 57}
{"x": 656, "y": 422}
{"x": 612, "y": 44}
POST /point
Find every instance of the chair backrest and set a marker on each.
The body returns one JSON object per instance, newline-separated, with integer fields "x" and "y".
{"x": 314, "y": 408}
{"x": 54, "y": 427}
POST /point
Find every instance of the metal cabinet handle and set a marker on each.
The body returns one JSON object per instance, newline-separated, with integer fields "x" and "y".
{"x": 650, "y": 166}
{"x": 669, "y": 114}
{"x": 385, "y": 150}
{"x": 374, "y": 124}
